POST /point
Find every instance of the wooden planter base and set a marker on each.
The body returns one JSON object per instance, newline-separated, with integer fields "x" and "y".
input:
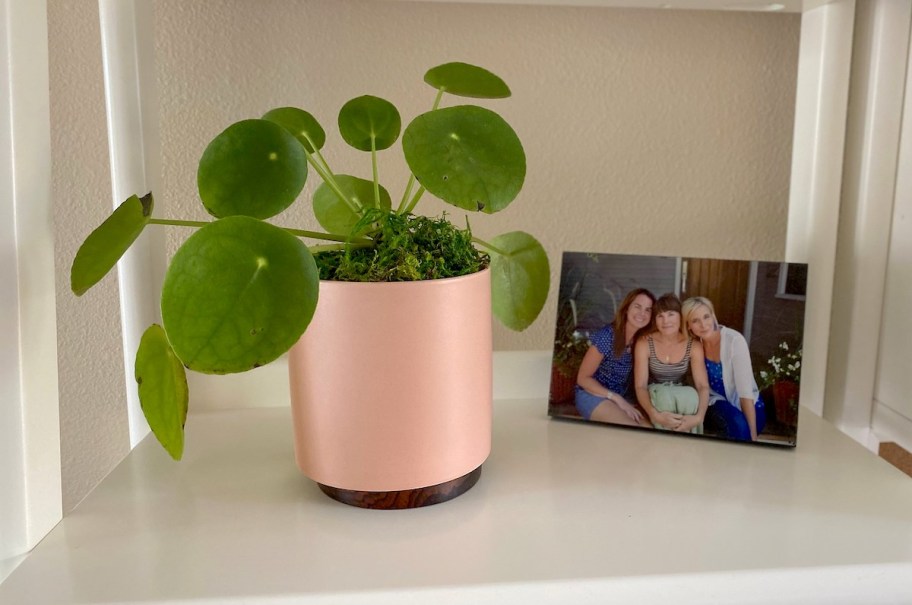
{"x": 409, "y": 498}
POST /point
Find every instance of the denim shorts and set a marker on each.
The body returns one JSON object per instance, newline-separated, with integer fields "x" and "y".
{"x": 586, "y": 402}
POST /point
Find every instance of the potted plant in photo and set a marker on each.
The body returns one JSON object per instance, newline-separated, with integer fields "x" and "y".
{"x": 782, "y": 377}
{"x": 388, "y": 320}
{"x": 570, "y": 346}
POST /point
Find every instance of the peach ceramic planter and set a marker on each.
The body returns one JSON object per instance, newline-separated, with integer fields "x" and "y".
{"x": 391, "y": 390}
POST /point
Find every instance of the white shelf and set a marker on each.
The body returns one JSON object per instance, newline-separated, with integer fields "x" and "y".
{"x": 786, "y": 6}
{"x": 565, "y": 512}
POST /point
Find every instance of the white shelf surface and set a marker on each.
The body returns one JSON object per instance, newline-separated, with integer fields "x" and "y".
{"x": 565, "y": 512}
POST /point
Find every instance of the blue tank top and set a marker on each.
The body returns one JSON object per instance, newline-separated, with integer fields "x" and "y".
{"x": 714, "y": 371}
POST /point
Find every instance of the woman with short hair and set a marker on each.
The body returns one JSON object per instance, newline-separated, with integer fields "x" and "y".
{"x": 662, "y": 360}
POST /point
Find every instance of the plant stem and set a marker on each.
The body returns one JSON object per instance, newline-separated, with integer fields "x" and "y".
{"x": 490, "y": 247}
{"x": 319, "y": 156}
{"x": 332, "y": 247}
{"x": 321, "y": 167}
{"x": 405, "y": 196}
{"x": 411, "y": 182}
{"x": 376, "y": 176}
{"x": 327, "y": 236}
{"x": 299, "y": 232}
{"x": 437, "y": 99}
{"x": 333, "y": 185}
{"x": 166, "y": 221}
{"x": 415, "y": 199}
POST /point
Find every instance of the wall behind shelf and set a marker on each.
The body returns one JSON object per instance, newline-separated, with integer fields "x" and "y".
{"x": 93, "y": 417}
{"x": 647, "y": 131}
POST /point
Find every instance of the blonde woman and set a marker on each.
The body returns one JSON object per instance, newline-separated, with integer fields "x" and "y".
{"x": 736, "y": 410}
{"x": 603, "y": 379}
{"x": 662, "y": 359}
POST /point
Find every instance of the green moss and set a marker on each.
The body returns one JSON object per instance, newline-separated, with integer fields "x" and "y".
{"x": 407, "y": 248}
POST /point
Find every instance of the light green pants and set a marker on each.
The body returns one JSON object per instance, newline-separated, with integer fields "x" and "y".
{"x": 677, "y": 399}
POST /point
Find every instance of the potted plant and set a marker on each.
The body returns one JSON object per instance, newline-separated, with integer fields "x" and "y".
{"x": 394, "y": 365}
{"x": 782, "y": 377}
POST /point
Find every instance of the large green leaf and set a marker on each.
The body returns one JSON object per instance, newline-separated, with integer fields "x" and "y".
{"x": 163, "y": 390}
{"x": 253, "y": 168}
{"x": 467, "y": 156}
{"x": 520, "y": 278}
{"x": 301, "y": 124}
{"x": 106, "y": 244}
{"x": 467, "y": 80}
{"x": 369, "y": 118}
{"x": 336, "y": 216}
{"x": 238, "y": 293}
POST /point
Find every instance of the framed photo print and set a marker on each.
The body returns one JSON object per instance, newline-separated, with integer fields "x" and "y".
{"x": 701, "y": 346}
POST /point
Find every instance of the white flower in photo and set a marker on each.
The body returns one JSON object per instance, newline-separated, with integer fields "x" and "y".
{"x": 784, "y": 366}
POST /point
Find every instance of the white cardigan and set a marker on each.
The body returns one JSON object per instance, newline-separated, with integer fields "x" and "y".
{"x": 737, "y": 373}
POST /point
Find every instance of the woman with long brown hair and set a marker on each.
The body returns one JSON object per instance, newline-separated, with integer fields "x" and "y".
{"x": 603, "y": 380}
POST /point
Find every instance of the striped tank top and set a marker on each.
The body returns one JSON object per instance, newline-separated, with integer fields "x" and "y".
{"x": 667, "y": 372}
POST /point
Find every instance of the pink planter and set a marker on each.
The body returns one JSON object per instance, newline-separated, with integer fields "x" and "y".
{"x": 391, "y": 389}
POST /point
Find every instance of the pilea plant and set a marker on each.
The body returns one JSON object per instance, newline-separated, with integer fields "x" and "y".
{"x": 240, "y": 291}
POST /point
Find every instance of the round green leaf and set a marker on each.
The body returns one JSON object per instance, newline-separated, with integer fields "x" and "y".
{"x": 369, "y": 118}
{"x": 254, "y": 168}
{"x": 467, "y": 156}
{"x": 520, "y": 278}
{"x": 105, "y": 245}
{"x": 336, "y": 216}
{"x": 238, "y": 293}
{"x": 163, "y": 392}
{"x": 467, "y": 80}
{"x": 300, "y": 124}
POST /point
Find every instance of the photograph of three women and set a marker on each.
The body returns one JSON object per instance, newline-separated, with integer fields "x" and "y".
{"x": 702, "y": 346}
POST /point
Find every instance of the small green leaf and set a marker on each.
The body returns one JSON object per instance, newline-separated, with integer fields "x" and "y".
{"x": 467, "y": 80}
{"x": 238, "y": 293}
{"x": 163, "y": 392}
{"x": 467, "y": 156}
{"x": 253, "y": 168}
{"x": 336, "y": 216}
{"x": 520, "y": 278}
{"x": 300, "y": 124}
{"x": 365, "y": 118}
{"x": 104, "y": 246}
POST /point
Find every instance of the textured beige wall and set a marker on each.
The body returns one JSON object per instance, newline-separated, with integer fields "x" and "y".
{"x": 93, "y": 415}
{"x": 664, "y": 132}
